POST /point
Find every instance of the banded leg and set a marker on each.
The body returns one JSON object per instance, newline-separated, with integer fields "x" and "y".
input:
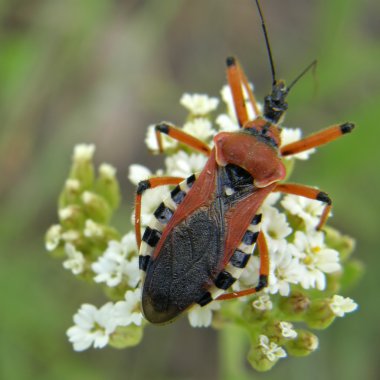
{"x": 141, "y": 188}
{"x": 236, "y": 79}
{"x": 317, "y": 139}
{"x": 264, "y": 272}
{"x": 181, "y": 136}
{"x": 308, "y": 192}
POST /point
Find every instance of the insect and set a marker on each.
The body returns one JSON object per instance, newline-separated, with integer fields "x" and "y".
{"x": 203, "y": 234}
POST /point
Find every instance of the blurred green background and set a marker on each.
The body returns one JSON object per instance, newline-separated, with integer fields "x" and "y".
{"x": 100, "y": 71}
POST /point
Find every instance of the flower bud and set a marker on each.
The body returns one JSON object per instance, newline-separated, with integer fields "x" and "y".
{"x": 82, "y": 168}
{"x": 303, "y": 345}
{"x": 342, "y": 243}
{"x": 71, "y": 217}
{"x": 70, "y": 193}
{"x": 107, "y": 185}
{"x": 294, "y": 306}
{"x": 265, "y": 354}
{"x": 95, "y": 207}
{"x": 53, "y": 237}
{"x": 127, "y": 336}
{"x": 320, "y": 315}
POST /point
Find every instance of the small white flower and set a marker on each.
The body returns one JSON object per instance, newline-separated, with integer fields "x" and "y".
{"x": 88, "y": 197}
{"x": 287, "y": 330}
{"x": 315, "y": 258}
{"x": 290, "y": 135}
{"x": 227, "y": 123}
{"x": 53, "y": 237}
{"x": 342, "y": 305}
{"x": 66, "y": 213}
{"x": 200, "y": 128}
{"x": 199, "y": 104}
{"x": 83, "y": 152}
{"x": 284, "y": 271}
{"x": 151, "y": 140}
{"x": 183, "y": 165}
{"x": 270, "y": 349}
{"x": 271, "y": 200}
{"x": 72, "y": 185}
{"x": 202, "y": 316}
{"x": 137, "y": 173}
{"x": 92, "y": 229}
{"x": 128, "y": 311}
{"x": 92, "y": 326}
{"x": 70, "y": 236}
{"x": 309, "y": 210}
{"x": 116, "y": 265}
{"x": 75, "y": 260}
{"x": 263, "y": 303}
{"x": 275, "y": 227}
{"x": 107, "y": 170}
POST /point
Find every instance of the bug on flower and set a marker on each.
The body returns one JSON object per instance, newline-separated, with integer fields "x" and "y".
{"x": 204, "y": 232}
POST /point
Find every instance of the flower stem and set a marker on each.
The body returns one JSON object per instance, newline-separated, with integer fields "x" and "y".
{"x": 232, "y": 353}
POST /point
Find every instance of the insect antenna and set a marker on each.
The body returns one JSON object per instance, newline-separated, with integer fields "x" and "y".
{"x": 312, "y": 65}
{"x": 267, "y": 44}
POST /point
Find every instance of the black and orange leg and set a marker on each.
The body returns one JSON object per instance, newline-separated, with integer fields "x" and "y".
{"x": 264, "y": 272}
{"x": 141, "y": 188}
{"x": 317, "y": 139}
{"x": 181, "y": 136}
{"x": 237, "y": 80}
{"x": 308, "y": 192}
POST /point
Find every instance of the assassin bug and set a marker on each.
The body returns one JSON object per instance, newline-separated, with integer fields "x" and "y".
{"x": 203, "y": 234}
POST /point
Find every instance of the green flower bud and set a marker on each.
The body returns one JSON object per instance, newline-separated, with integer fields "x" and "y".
{"x": 53, "y": 237}
{"x": 320, "y": 315}
{"x": 95, "y": 207}
{"x": 295, "y": 306}
{"x": 264, "y": 354}
{"x": 353, "y": 271}
{"x": 342, "y": 243}
{"x": 126, "y": 336}
{"x": 71, "y": 217}
{"x": 82, "y": 168}
{"x": 98, "y": 235}
{"x": 107, "y": 185}
{"x": 70, "y": 193}
{"x": 303, "y": 345}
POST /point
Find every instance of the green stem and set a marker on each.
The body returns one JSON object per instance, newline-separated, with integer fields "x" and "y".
{"x": 232, "y": 353}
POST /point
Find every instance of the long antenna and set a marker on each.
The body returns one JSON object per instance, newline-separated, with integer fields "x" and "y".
{"x": 312, "y": 65}
{"x": 267, "y": 43}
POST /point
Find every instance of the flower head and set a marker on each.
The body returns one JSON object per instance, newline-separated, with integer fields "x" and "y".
{"x": 270, "y": 349}
{"x": 342, "y": 305}
{"x": 75, "y": 260}
{"x": 128, "y": 311}
{"x": 117, "y": 264}
{"x": 199, "y": 104}
{"x": 92, "y": 327}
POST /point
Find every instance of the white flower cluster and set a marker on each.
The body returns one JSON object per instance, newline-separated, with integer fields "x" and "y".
{"x": 94, "y": 327}
{"x": 118, "y": 263}
{"x": 302, "y": 258}
{"x": 295, "y": 258}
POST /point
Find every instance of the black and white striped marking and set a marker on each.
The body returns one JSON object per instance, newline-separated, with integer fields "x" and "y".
{"x": 160, "y": 219}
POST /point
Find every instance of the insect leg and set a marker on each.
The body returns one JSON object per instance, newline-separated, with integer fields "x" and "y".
{"x": 264, "y": 272}
{"x": 181, "y": 136}
{"x": 150, "y": 183}
{"x": 236, "y": 78}
{"x": 308, "y": 192}
{"x": 317, "y": 139}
